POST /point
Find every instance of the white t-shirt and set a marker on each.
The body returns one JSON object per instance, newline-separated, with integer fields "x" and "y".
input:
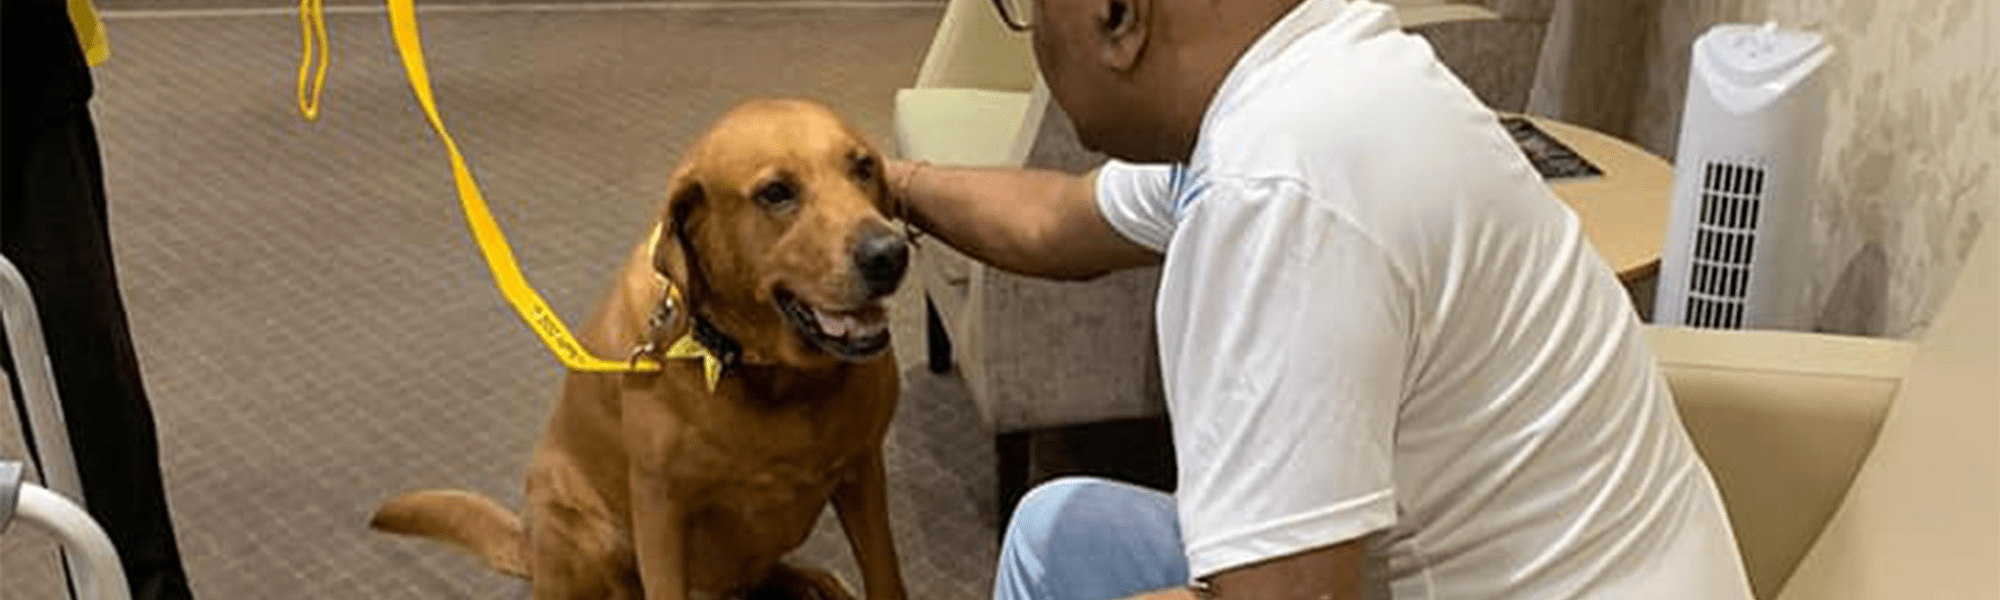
{"x": 1376, "y": 321}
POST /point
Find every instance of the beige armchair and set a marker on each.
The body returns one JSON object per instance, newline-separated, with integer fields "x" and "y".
{"x": 1033, "y": 354}
{"x": 1856, "y": 468}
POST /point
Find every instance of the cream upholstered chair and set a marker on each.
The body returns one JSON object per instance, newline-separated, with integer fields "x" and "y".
{"x": 1855, "y": 468}
{"x": 1036, "y": 355}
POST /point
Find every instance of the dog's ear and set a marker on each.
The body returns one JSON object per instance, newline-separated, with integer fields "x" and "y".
{"x": 673, "y": 252}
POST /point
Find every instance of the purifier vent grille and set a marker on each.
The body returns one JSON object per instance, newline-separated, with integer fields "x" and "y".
{"x": 1725, "y": 237}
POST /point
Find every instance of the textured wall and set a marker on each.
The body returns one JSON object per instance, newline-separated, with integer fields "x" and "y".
{"x": 1911, "y": 150}
{"x": 1592, "y": 64}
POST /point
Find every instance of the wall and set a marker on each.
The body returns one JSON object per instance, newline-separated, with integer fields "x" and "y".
{"x": 1911, "y": 161}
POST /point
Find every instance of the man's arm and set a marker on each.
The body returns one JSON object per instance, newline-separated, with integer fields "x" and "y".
{"x": 1330, "y": 573}
{"x": 1036, "y": 223}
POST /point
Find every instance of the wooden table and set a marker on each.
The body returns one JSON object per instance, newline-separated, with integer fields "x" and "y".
{"x": 1623, "y": 211}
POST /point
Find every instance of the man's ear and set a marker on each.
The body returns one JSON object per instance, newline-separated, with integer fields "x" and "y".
{"x": 673, "y": 251}
{"x": 1122, "y": 25}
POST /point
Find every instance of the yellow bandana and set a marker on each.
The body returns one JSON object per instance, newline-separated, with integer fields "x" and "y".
{"x": 687, "y": 347}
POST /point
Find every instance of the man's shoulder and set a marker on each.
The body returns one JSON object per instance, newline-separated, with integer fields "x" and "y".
{"x": 1333, "y": 100}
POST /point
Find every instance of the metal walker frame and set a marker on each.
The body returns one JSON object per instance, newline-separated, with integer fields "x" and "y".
{"x": 58, "y": 509}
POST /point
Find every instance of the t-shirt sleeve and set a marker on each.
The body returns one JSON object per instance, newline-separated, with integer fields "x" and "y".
{"x": 1136, "y": 200}
{"x": 1285, "y": 375}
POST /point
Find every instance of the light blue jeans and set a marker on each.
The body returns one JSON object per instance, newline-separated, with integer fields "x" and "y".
{"x": 1082, "y": 538}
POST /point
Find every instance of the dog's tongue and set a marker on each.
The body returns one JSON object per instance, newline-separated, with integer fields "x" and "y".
{"x": 835, "y": 325}
{"x": 853, "y": 324}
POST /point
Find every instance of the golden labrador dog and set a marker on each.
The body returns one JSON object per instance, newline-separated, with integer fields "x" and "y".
{"x": 773, "y": 257}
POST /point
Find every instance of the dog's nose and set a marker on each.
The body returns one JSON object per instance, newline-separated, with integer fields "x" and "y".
{"x": 881, "y": 257}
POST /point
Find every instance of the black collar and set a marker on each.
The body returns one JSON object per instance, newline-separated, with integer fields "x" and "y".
{"x": 725, "y": 348}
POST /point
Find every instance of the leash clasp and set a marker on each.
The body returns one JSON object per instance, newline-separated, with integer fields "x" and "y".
{"x": 656, "y": 329}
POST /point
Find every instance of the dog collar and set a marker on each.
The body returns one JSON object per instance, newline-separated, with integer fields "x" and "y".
{"x": 703, "y": 341}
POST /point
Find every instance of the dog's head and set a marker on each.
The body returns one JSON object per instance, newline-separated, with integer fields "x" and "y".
{"x": 774, "y": 231}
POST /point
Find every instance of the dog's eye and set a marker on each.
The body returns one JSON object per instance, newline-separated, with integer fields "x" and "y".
{"x": 776, "y": 193}
{"x": 864, "y": 168}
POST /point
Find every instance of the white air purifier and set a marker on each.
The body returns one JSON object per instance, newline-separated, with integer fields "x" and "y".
{"x": 1738, "y": 241}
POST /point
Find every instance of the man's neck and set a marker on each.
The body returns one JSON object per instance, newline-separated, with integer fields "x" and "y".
{"x": 1209, "y": 38}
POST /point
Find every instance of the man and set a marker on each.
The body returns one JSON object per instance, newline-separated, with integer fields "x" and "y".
{"x": 1394, "y": 366}
{"x": 53, "y": 227}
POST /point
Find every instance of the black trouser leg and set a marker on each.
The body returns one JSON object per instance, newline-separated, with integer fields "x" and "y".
{"x": 53, "y": 227}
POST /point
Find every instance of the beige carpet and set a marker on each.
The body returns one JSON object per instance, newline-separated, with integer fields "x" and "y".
{"x": 316, "y": 330}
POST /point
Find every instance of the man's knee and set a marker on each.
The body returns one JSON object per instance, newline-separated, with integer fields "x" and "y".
{"x": 1054, "y": 507}
{"x": 1082, "y": 536}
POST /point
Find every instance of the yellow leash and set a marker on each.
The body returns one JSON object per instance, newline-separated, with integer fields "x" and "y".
{"x": 492, "y": 244}
{"x": 312, "y": 35}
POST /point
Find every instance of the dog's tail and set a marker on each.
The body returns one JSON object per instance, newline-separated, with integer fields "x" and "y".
{"x": 470, "y": 521}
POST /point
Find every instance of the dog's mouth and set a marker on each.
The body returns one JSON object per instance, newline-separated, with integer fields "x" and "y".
{"x": 851, "y": 334}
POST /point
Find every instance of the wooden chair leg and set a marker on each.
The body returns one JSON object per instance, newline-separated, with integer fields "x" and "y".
{"x": 1011, "y": 468}
{"x": 936, "y": 340}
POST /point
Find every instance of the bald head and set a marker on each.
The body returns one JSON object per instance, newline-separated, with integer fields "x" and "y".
{"x": 1135, "y": 76}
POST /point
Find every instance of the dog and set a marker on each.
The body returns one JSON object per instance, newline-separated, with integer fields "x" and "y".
{"x": 760, "y": 290}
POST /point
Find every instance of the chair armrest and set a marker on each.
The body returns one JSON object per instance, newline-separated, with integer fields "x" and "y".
{"x": 1416, "y": 13}
{"x": 963, "y": 127}
{"x": 1784, "y": 421}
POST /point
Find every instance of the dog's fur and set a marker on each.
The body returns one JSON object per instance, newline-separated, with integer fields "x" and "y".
{"x": 652, "y": 486}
